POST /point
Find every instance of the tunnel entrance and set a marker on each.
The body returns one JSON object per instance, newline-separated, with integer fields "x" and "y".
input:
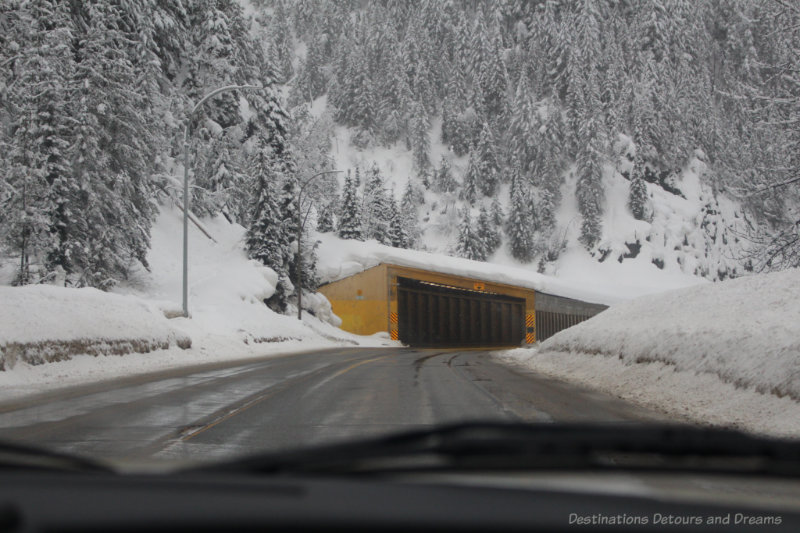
{"x": 431, "y": 314}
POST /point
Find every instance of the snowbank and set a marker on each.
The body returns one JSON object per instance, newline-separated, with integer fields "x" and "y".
{"x": 746, "y": 331}
{"x": 340, "y": 258}
{"x": 42, "y": 323}
{"x": 686, "y": 396}
{"x": 739, "y": 335}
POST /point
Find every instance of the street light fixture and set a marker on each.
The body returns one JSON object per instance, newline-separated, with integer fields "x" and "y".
{"x": 186, "y": 184}
{"x": 301, "y": 222}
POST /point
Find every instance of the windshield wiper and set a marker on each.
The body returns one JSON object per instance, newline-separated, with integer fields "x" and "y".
{"x": 518, "y": 446}
{"x": 22, "y": 456}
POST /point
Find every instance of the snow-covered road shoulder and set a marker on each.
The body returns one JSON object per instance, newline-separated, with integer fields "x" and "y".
{"x": 725, "y": 353}
{"x": 43, "y": 324}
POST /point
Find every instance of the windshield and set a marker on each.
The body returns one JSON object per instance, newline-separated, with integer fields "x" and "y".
{"x": 237, "y": 227}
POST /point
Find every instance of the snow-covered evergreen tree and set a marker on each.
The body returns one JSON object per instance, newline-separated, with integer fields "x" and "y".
{"x": 519, "y": 224}
{"x": 492, "y": 78}
{"x": 590, "y": 195}
{"x": 488, "y": 232}
{"x": 547, "y": 210}
{"x": 110, "y": 154}
{"x": 522, "y": 133}
{"x": 349, "y": 215}
{"x": 325, "y": 222}
{"x": 470, "y": 244}
{"x": 408, "y": 212}
{"x": 376, "y": 210}
{"x": 496, "y": 211}
{"x": 268, "y": 236}
{"x": 37, "y": 182}
{"x": 637, "y": 197}
{"x": 420, "y": 138}
{"x": 469, "y": 190}
{"x": 282, "y": 45}
{"x": 488, "y": 164}
{"x": 398, "y": 235}
{"x": 292, "y": 220}
{"x": 443, "y": 180}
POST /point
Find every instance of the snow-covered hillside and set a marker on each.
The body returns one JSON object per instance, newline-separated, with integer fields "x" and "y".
{"x": 690, "y": 234}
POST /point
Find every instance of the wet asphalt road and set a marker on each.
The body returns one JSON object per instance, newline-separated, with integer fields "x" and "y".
{"x": 211, "y": 412}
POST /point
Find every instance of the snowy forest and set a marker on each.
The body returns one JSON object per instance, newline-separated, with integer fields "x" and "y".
{"x": 95, "y": 98}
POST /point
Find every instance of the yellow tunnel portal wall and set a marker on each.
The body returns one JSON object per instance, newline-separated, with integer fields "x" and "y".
{"x": 361, "y": 301}
{"x": 367, "y": 302}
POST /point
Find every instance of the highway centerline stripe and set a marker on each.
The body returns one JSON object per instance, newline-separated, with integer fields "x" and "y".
{"x": 267, "y": 395}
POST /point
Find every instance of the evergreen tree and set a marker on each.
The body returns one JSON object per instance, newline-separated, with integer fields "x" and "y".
{"x": 398, "y": 235}
{"x": 488, "y": 232}
{"x": 453, "y": 105}
{"x": 325, "y": 222}
{"x": 547, "y": 208}
{"x": 519, "y": 224}
{"x": 288, "y": 207}
{"x": 110, "y": 154}
{"x": 637, "y": 197}
{"x": 469, "y": 243}
{"x": 443, "y": 178}
{"x": 469, "y": 190}
{"x": 410, "y": 199}
{"x": 37, "y": 182}
{"x": 222, "y": 186}
{"x": 408, "y": 213}
{"x": 292, "y": 219}
{"x": 267, "y": 239}
{"x": 522, "y": 130}
{"x": 589, "y": 193}
{"x": 492, "y": 78}
{"x": 489, "y": 167}
{"x": 420, "y": 139}
{"x": 376, "y": 211}
{"x": 456, "y": 124}
{"x": 349, "y": 218}
{"x": 282, "y": 45}
{"x": 498, "y": 217}
{"x": 310, "y": 281}
{"x": 311, "y": 80}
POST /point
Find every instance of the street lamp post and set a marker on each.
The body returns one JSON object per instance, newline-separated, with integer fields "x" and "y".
{"x": 186, "y": 184}
{"x": 301, "y": 222}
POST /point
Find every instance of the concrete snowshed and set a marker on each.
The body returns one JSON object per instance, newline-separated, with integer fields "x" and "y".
{"x": 426, "y": 308}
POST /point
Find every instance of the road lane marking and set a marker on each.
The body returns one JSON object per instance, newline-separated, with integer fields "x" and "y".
{"x": 189, "y": 431}
{"x": 270, "y": 393}
{"x": 340, "y": 373}
{"x": 354, "y": 365}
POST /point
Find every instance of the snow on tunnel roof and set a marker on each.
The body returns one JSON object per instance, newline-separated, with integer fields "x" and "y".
{"x": 340, "y": 258}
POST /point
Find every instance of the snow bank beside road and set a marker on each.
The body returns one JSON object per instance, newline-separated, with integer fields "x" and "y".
{"x": 42, "y": 323}
{"x": 745, "y": 331}
{"x": 731, "y": 347}
{"x": 686, "y": 396}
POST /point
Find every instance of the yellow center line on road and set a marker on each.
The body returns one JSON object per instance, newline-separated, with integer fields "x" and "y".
{"x": 354, "y": 365}
{"x": 266, "y": 396}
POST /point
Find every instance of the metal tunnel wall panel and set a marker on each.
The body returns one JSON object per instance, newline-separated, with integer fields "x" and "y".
{"x": 436, "y": 315}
